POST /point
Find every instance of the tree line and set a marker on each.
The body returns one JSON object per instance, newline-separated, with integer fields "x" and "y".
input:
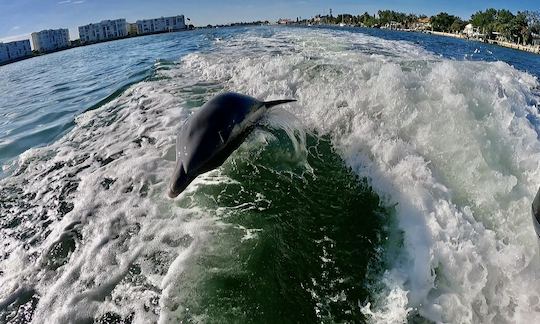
{"x": 520, "y": 27}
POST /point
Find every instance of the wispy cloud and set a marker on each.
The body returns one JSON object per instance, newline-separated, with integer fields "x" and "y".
{"x": 67, "y": 2}
{"x": 14, "y": 38}
{"x": 15, "y": 28}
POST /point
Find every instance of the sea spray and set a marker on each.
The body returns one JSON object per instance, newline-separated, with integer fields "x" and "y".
{"x": 404, "y": 194}
{"x": 449, "y": 142}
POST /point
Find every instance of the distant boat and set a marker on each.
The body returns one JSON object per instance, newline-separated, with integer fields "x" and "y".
{"x": 342, "y": 25}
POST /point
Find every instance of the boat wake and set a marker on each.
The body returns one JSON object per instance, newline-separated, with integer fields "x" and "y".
{"x": 399, "y": 188}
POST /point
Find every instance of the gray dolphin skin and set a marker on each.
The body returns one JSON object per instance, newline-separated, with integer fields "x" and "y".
{"x": 213, "y": 133}
{"x": 536, "y": 214}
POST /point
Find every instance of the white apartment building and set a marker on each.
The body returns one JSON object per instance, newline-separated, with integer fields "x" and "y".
{"x": 50, "y": 40}
{"x": 4, "y": 56}
{"x": 160, "y": 25}
{"x": 105, "y": 30}
{"x": 14, "y": 50}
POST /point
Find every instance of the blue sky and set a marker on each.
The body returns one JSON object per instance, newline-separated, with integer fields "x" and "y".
{"x": 19, "y": 18}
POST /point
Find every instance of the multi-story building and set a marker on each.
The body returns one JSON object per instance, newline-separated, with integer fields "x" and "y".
{"x": 50, "y": 40}
{"x": 4, "y": 56}
{"x": 14, "y": 50}
{"x": 161, "y": 25}
{"x": 132, "y": 29}
{"x": 102, "y": 31}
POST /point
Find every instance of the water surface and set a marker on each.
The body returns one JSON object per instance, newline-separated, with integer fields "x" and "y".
{"x": 396, "y": 189}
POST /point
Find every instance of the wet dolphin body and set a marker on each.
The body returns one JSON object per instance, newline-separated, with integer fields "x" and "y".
{"x": 536, "y": 214}
{"x": 212, "y": 133}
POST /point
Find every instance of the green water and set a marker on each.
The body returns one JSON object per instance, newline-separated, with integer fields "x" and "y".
{"x": 314, "y": 248}
{"x": 438, "y": 230}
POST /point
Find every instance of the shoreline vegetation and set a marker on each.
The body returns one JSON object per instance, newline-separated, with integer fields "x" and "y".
{"x": 526, "y": 48}
{"x": 520, "y": 31}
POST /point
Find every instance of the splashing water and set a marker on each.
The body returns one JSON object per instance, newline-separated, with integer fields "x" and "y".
{"x": 396, "y": 189}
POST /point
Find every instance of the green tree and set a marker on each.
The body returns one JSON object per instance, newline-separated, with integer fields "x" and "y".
{"x": 484, "y": 19}
{"x": 410, "y": 19}
{"x": 504, "y": 20}
{"x": 457, "y": 26}
{"x": 368, "y": 20}
{"x": 443, "y": 21}
{"x": 388, "y": 16}
{"x": 533, "y": 21}
{"x": 504, "y": 17}
{"x": 364, "y": 18}
{"x": 519, "y": 29}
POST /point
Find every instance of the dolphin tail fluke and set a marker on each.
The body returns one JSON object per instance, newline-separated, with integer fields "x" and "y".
{"x": 270, "y": 104}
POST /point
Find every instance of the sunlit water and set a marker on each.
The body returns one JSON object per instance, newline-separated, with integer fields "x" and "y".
{"x": 396, "y": 189}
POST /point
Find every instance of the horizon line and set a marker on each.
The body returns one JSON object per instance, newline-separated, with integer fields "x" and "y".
{"x": 27, "y": 36}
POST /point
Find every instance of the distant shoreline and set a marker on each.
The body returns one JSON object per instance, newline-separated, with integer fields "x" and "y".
{"x": 525, "y": 48}
{"x": 89, "y": 44}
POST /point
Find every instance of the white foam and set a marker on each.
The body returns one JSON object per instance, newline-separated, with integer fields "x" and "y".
{"x": 130, "y": 224}
{"x": 447, "y": 141}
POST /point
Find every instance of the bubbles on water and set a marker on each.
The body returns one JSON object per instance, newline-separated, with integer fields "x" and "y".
{"x": 284, "y": 230}
{"x": 282, "y": 119}
{"x": 449, "y": 142}
{"x": 83, "y": 224}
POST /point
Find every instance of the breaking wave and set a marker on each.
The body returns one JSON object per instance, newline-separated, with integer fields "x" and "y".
{"x": 439, "y": 158}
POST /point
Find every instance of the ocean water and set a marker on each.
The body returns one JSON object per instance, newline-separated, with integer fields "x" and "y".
{"x": 397, "y": 188}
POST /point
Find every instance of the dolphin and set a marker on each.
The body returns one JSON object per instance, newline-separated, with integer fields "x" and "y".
{"x": 213, "y": 133}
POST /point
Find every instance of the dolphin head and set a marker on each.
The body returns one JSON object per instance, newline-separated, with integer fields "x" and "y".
{"x": 179, "y": 181}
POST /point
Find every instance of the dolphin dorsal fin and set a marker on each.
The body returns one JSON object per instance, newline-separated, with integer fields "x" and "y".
{"x": 272, "y": 103}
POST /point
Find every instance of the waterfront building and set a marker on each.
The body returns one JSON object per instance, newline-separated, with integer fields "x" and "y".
{"x": 4, "y": 57}
{"x": 14, "y": 50}
{"x": 104, "y": 30}
{"x": 50, "y": 40}
{"x": 161, "y": 25}
{"x": 393, "y": 25}
{"x": 501, "y": 37}
{"x": 472, "y": 32}
{"x": 132, "y": 29}
{"x": 536, "y": 39}
{"x": 422, "y": 24}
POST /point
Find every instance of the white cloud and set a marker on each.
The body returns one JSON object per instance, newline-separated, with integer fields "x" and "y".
{"x": 14, "y": 38}
{"x": 67, "y": 2}
{"x": 15, "y": 28}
